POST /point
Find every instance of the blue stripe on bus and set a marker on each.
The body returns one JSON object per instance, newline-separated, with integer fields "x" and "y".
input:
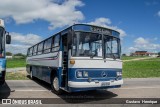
{"x": 94, "y": 74}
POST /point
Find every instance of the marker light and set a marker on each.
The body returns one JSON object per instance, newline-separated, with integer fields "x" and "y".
{"x": 85, "y": 74}
{"x": 79, "y": 74}
{"x": 72, "y": 61}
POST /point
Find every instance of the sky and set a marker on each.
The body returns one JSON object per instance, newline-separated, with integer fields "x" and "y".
{"x": 30, "y": 21}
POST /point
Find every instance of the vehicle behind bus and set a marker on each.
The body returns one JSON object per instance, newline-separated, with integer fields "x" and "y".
{"x": 4, "y": 38}
{"x": 79, "y": 58}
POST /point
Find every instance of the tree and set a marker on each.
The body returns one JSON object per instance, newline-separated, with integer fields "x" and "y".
{"x": 158, "y": 53}
{"x": 124, "y": 54}
{"x": 18, "y": 54}
{"x": 8, "y": 53}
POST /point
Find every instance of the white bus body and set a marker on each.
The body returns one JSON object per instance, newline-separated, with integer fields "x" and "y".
{"x": 79, "y": 58}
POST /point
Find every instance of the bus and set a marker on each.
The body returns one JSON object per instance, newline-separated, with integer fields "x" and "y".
{"x": 79, "y": 58}
{"x": 5, "y": 38}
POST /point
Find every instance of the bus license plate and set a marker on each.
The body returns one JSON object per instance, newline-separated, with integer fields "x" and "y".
{"x": 105, "y": 84}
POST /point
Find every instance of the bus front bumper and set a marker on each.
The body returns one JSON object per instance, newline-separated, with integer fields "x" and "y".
{"x": 95, "y": 85}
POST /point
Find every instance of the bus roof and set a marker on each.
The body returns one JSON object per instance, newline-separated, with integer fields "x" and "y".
{"x": 87, "y": 28}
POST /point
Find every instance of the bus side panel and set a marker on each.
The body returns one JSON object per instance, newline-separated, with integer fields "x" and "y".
{"x": 48, "y": 60}
{"x": 43, "y": 65}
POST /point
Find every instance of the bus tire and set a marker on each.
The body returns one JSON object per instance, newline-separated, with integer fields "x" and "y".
{"x": 2, "y": 82}
{"x": 55, "y": 85}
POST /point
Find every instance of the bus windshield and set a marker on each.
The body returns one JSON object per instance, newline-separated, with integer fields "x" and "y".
{"x": 87, "y": 44}
{"x": 1, "y": 39}
{"x": 112, "y": 47}
{"x": 90, "y": 45}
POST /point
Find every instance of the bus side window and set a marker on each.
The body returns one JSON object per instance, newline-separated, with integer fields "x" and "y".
{"x": 30, "y": 51}
{"x": 55, "y": 44}
{"x": 35, "y": 50}
{"x": 40, "y": 48}
{"x": 47, "y": 45}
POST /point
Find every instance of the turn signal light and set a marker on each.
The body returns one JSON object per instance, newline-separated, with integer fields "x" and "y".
{"x": 72, "y": 61}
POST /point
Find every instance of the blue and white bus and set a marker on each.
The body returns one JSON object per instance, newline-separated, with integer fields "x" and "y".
{"x": 81, "y": 57}
{"x": 4, "y": 38}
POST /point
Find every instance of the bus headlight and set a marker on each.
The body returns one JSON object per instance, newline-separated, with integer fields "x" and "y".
{"x": 79, "y": 74}
{"x": 119, "y": 74}
{"x": 85, "y": 74}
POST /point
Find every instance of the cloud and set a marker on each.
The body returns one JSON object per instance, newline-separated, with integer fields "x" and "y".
{"x": 17, "y": 48}
{"x": 20, "y": 42}
{"x": 158, "y": 13}
{"x": 101, "y": 21}
{"x": 28, "y": 39}
{"x": 141, "y": 41}
{"x": 151, "y": 3}
{"x": 105, "y": 22}
{"x": 57, "y": 14}
{"x": 145, "y": 44}
{"x": 133, "y": 49}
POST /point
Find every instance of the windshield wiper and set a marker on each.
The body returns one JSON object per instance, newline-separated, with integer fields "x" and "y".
{"x": 111, "y": 52}
{"x": 92, "y": 55}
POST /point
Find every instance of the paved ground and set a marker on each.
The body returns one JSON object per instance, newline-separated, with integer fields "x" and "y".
{"x": 132, "y": 88}
{"x": 15, "y": 69}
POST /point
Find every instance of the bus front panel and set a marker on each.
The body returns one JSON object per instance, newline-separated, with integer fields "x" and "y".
{"x": 94, "y": 74}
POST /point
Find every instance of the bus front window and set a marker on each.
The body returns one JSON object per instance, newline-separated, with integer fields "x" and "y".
{"x": 87, "y": 45}
{"x": 1, "y": 40}
{"x": 112, "y": 47}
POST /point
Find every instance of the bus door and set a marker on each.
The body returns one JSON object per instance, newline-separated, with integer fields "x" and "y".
{"x": 64, "y": 60}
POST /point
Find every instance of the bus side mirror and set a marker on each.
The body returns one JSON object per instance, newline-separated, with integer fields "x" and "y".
{"x": 8, "y": 39}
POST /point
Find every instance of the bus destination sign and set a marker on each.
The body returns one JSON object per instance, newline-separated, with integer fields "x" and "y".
{"x": 100, "y": 30}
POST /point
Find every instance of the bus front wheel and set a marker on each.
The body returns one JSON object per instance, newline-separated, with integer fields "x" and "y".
{"x": 55, "y": 85}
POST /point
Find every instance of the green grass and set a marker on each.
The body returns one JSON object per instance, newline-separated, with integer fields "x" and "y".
{"x": 21, "y": 75}
{"x": 142, "y": 68}
{"x": 132, "y": 57}
{"x": 152, "y": 59}
{"x": 13, "y": 63}
{"x": 132, "y": 69}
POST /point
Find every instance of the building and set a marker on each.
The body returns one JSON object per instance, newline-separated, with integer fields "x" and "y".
{"x": 144, "y": 53}
{"x": 9, "y": 57}
{"x": 140, "y": 53}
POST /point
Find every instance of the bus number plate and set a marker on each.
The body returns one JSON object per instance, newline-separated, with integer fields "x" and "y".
{"x": 105, "y": 84}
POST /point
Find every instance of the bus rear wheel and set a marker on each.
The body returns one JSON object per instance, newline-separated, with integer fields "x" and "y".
{"x": 2, "y": 82}
{"x": 55, "y": 86}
